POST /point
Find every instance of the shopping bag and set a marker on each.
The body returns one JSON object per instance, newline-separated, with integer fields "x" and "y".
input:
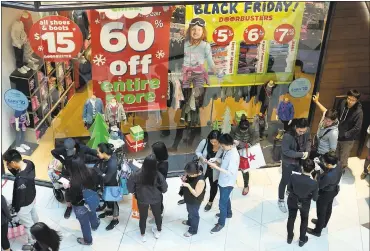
{"x": 244, "y": 163}
{"x": 112, "y": 193}
{"x": 123, "y": 184}
{"x": 15, "y": 230}
{"x": 135, "y": 208}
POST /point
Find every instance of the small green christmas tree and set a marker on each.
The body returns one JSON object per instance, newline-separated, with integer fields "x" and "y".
{"x": 226, "y": 123}
{"x": 99, "y": 132}
{"x": 216, "y": 125}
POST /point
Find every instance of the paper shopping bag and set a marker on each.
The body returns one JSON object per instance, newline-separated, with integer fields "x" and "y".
{"x": 135, "y": 208}
{"x": 15, "y": 230}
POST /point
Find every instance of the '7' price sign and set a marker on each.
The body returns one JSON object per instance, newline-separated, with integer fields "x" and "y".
{"x": 56, "y": 38}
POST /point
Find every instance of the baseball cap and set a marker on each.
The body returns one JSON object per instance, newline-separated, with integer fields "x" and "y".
{"x": 69, "y": 145}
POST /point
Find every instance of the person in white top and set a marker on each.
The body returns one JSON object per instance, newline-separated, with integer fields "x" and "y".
{"x": 227, "y": 179}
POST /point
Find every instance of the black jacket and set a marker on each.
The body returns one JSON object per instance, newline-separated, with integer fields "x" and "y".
{"x": 291, "y": 152}
{"x": 350, "y": 121}
{"x": 24, "y": 190}
{"x": 146, "y": 194}
{"x": 85, "y": 152}
{"x": 5, "y": 214}
{"x": 76, "y": 196}
{"x": 329, "y": 180}
{"x": 162, "y": 167}
{"x": 107, "y": 169}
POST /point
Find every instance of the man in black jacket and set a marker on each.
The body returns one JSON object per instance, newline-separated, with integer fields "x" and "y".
{"x": 65, "y": 155}
{"x": 295, "y": 146}
{"x": 24, "y": 191}
{"x": 350, "y": 123}
{"x": 328, "y": 189}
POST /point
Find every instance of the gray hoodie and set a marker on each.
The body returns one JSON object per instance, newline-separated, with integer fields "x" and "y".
{"x": 329, "y": 141}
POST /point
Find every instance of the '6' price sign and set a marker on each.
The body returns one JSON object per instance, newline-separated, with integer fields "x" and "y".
{"x": 55, "y": 38}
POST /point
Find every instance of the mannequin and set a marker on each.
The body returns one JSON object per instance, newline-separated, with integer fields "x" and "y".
{"x": 260, "y": 125}
{"x": 285, "y": 112}
{"x": 265, "y": 95}
{"x": 92, "y": 106}
{"x": 21, "y": 120}
{"x": 114, "y": 113}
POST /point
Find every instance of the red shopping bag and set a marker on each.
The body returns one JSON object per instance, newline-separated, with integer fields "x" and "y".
{"x": 244, "y": 163}
{"x": 15, "y": 230}
{"x": 135, "y": 208}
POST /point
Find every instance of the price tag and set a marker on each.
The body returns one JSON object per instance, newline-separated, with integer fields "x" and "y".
{"x": 254, "y": 34}
{"x": 284, "y": 33}
{"x": 56, "y": 38}
{"x": 223, "y": 35}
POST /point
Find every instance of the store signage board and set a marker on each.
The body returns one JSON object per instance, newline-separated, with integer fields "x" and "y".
{"x": 130, "y": 50}
{"x": 16, "y": 100}
{"x": 299, "y": 87}
{"x": 56, "y": 38}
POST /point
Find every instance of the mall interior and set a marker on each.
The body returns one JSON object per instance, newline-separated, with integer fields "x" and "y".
{"x": 131, "y": 61}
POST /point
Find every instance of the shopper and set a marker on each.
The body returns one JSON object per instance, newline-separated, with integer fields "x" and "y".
{"x": 227, "y": 178}
{"x": 367, "y": 160}
{"x": 207, "y": 149}
{"x": 24, "y": 191}
{"x": 148, "y": 185}
{"x": 295, "y": 146}
{"x": 328, "y": 189}
{"x": 350, "y": 123}
{"x": 194, "y": 190}
{"x": 83, "y": 178}
{"x": 160, "y": 151}
{"x": 47, "y": 239}
{"x": 244, "y": 137}
{"x": 301, "y": 190}
{"x": 65, "y": 154}
{"x": 5, "y": 219}
{"x": 107, "y": 170}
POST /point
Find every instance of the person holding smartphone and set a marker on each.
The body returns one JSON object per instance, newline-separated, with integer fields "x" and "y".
{"x": 194, "y": 190}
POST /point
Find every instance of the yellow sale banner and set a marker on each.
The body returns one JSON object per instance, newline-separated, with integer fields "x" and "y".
{"x": 243, "y": 43}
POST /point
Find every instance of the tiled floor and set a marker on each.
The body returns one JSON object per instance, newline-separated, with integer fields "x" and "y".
{"x": 257, "y": 223}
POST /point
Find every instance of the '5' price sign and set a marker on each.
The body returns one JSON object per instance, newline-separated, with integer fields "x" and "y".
{"x": 55, "y": 38}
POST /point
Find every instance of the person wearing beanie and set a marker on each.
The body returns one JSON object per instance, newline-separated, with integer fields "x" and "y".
{"x": 244, "y": 137}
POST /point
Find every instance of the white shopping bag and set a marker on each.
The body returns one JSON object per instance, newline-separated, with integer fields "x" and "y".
{"x": 255, "y": 157}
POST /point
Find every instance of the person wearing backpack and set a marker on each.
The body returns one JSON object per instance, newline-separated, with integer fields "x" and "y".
{"x": 83, "y": 178}
{"x": 326, "y": 139}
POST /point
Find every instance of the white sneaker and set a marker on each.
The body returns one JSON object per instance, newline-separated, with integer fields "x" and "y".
{"x": 143, "y": 238}
{"x": 25, "y": 147}
{"x": 156, "y": 233}
{"x": 26, "y": 68}
{"x": 20, "y": 149}
{"x": 282, "y": 206}
{"x": 22, "y": 70}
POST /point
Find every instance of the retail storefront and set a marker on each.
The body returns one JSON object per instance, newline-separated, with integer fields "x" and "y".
{"x": 167, "y": 73}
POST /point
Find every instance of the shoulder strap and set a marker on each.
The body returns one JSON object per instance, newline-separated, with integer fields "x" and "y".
{"x": 205, "y": 146}
{"x": 326, "y": 132}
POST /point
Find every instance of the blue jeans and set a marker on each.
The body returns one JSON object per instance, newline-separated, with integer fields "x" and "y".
{"x": 87, "y": 221}
{"x": 193, "y": 217}
{"x": 224, "y": 204}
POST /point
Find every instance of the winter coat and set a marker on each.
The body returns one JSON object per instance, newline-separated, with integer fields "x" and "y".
{"x": 329, "y": 141}
{"x": 19, "y": 36}
{"x": 285, "y": 111}
{"x": 109, "y": 116}
{"x": 88, "y": 110}
{"x": 262, "y": 94}
{"x": 350, "y": 121}
{"x": 244, "y": 138}
{"x": 291, "y": 154}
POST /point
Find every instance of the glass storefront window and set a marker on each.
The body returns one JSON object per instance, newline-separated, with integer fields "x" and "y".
{"x": 164, "y": 73}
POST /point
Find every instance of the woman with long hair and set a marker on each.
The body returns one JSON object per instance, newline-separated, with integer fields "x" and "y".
{"x": 107, "y": 170}
{"x": 148, "y": 185}
{"x": 207, "y": 149}
{"x": 47, "y": 239}
{"x": 194, "y": 190}
{"x": 83, "y": 178}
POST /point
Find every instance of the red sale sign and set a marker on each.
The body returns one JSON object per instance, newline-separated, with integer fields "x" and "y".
{"x": 130, "y": 49}
{"x": 55, "y": 38}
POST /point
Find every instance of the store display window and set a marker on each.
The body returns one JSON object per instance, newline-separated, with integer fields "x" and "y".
{"x": 161, "y": 73}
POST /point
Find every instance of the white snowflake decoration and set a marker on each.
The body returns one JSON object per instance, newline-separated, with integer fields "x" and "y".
{"x": 166, "y": 8}
{"x": 40, "y": 48}
{"x": 99, "y": 60}
{"x": 160, "y": 54}
{"x": 36, "y": 36}
{"x": 97, "y": 21}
